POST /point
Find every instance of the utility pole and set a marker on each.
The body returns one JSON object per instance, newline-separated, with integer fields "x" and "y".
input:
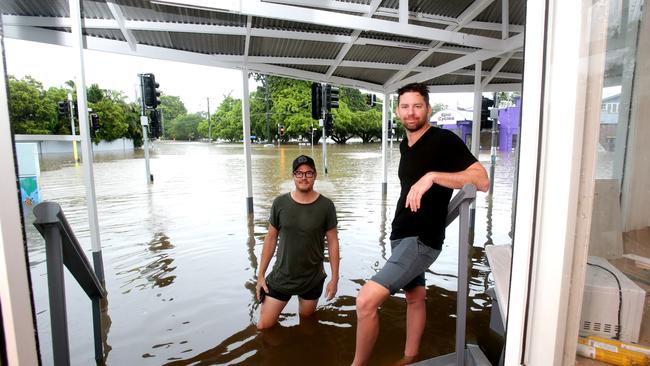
{"x": 266, "y": 102}
{"x": 162, "y": 124}
{"x": 209, "y": 122}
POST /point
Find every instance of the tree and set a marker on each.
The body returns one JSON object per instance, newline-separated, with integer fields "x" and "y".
{"x": 171, "y": 107}
{"x": 227, "y": 120}
{"x": 134, "y": 129}
{"x": 185, "y": 127}
{"x": 112, "y": 120}
{"x": 507, "y": 99}
{"x": 368, "y": 125}
{"x": 28, "y": 113}
{"x": 437, "y": 107}
{"x": 355, "y": 100}
{"x": 94, "y": 93}
{"x": 344, "y": 124}
{"x": 291, "y": 108}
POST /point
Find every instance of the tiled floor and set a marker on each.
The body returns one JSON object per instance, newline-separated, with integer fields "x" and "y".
{"x": 634, "y": 242}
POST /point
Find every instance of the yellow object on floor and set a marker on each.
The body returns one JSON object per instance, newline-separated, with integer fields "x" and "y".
{"x": 637, "y": 358}
{"x": 602, "y": 355}
{"x": 628, "y": 346}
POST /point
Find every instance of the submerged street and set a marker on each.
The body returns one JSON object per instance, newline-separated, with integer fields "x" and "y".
{"x": 180, "y": 257}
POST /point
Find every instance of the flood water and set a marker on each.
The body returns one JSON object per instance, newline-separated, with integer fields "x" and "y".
{"x": 181, "y": 256}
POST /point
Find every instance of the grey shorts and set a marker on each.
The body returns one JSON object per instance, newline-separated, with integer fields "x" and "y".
{"x": 406, "y": 265}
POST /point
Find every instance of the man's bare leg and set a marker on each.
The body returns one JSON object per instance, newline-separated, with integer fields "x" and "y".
{"x": 416, "y": 316}
{"x": 271, "y": 309}
{"x": 370, "y": 297}
{"x": 306, "y": 307}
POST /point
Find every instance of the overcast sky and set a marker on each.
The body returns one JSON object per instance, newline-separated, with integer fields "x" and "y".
{"x": 54, "y": 65}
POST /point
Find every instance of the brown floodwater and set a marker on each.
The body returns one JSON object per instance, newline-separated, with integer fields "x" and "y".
{"x": 180, "y": 258}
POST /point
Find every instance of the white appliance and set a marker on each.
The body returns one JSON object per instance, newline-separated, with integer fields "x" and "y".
{"x": 600, "y": 304}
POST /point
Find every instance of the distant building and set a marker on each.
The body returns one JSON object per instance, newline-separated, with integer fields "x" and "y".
{"x": 609, "y": 121}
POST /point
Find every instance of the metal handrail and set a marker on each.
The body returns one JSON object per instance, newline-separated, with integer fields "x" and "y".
{"x": 459, "y": 207}
{"x": 466, "y": 354}
{"x": 62, "y": 248}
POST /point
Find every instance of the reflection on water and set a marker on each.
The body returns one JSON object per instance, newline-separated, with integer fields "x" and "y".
{"x": 181, "y": 256}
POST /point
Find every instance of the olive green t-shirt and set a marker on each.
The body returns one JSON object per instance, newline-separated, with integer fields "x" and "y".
{"x": 300, "y": 253}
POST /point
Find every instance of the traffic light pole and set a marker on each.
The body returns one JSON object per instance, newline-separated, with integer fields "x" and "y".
{"x": 322, "y": 123}
{"x": 74, "y": 132}
{"x": 144, "y": 122}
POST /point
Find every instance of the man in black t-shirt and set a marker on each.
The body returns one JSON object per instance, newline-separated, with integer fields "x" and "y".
{"x": 433, "y": 163}
{"x": 301, "y": 219}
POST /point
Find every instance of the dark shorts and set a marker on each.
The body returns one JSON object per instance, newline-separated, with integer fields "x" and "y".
{"x": 311, "y": 294}
{"x": 406, "y": 265}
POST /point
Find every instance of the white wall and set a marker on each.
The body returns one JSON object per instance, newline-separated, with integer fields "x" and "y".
{"x": 55, "y": 145}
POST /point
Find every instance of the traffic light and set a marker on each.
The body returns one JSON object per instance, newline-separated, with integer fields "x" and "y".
{"x": 151, "y": 94}
{"x": 329, "y": 124}
{"x": 281, "y": 130}
{"x": 94, "y": 124}
{"x": 154, "y": 124}
{"x": 331, "y": 97}
{"x": 316, "y": 101}
{"x": 371, "y": 99}
{"x": 486, "y": 104}
{"x": 64, "y": 109}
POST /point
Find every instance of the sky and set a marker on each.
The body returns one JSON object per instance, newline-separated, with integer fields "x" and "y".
{"x": 53, "y": 66}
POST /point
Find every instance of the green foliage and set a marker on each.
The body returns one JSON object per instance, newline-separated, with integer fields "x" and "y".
{"x": 27, "y": 112}
{"x": 112, "y": 120}
{"x": 437, "y": 107}
{"x": 368, "y": 125}
{"x": 507, "y": 99}
{"x": 292, "y": 108}
{"x": 344, "y": 123}
{"x": 95, "y": 94}
{"x": 185, "y": 127}
{"x": 171, "y": 107}
{"x": 227, "y": 121}
{"x": 35, "y": 111}
{"x": 354, "y": 99}
{"x": 258, "y": 106}
{"x": 134, "y": 129}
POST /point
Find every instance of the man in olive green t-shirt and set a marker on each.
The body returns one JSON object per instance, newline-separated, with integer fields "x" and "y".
{"x": 302, "y": 219}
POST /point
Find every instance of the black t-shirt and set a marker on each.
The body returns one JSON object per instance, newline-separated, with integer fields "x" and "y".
{"x": 437, "y": 150}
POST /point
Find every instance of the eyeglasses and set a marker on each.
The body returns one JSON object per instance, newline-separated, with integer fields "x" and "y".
{"x": 307, "y": 174}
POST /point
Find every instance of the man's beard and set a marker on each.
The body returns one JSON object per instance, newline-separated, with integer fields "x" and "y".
{"x": 304, "y": 190}
{"x": 420, "y": 124}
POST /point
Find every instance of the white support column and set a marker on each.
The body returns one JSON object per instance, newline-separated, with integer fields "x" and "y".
{"x": 404, "y": 11}
{"x": 526, "y": 182}
{"x": 17, "y": 316}
{"x": 84, "y": 131}
{"x": 246, "y": 118}
{"x": 385, "y": 117}
{"x": 553, "y": 159}
{"x": 476, "y": 124}
{"x": 505, "y": 19}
